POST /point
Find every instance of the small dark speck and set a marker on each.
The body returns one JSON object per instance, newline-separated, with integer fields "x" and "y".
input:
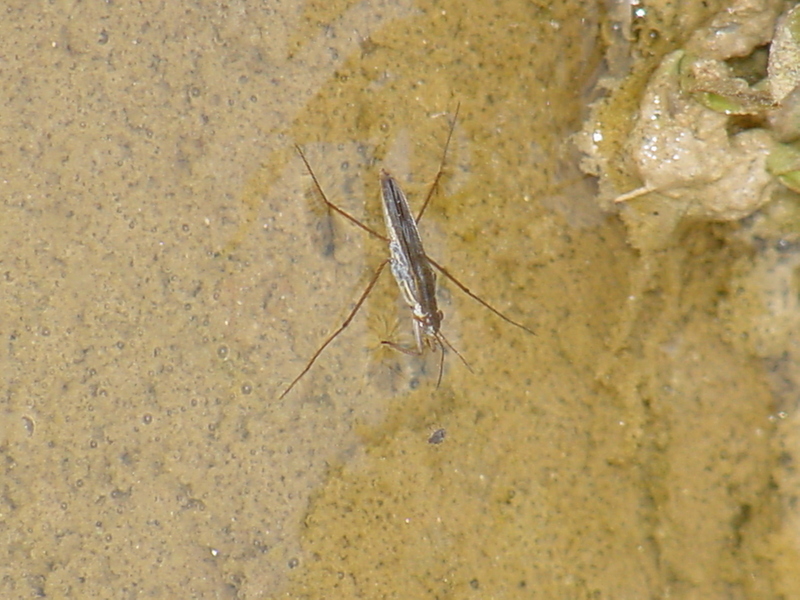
{"x": 293, "y": 563}
{"x": 103, "y": 37}
{"x": 437, "y": 437}
{"x": 474, "y": 584}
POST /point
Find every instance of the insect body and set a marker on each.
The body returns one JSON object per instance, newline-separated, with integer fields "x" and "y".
{"x": 409, "y": 264}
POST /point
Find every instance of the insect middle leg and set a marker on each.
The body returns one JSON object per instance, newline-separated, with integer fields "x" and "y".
{"x": 341, "y": 328}
{"x": 366, "y": 291}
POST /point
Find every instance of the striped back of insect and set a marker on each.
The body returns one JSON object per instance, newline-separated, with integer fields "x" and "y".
{"x": 410, "y": 266}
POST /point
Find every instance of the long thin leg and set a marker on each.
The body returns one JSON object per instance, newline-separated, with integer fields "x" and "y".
{"x": 332, "y": 206}
{"x": 441, "y": 166}
{"x": 342, "y": 327}
{"x": 478, "y": 299}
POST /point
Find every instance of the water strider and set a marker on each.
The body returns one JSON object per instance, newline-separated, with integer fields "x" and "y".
{"x": 412, "y": 268}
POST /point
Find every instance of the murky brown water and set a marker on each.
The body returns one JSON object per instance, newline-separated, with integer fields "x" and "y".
{"x": 167, "y": 271}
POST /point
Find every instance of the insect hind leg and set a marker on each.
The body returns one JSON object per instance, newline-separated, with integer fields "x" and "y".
{"x": 439, "y": 173}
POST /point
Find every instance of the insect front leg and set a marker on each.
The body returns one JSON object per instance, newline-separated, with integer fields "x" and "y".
{"x": 418, "y": 336}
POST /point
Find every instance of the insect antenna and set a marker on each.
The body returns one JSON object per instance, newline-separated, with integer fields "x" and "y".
{"x": 443, "y": 341}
